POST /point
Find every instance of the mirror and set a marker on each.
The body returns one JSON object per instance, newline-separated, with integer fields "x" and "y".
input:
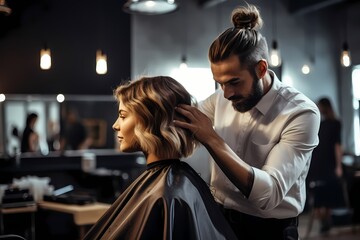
{"x": 95, "y": 113}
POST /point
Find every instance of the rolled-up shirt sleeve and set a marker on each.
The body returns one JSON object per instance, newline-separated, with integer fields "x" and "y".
{"x": 287, "y": 161}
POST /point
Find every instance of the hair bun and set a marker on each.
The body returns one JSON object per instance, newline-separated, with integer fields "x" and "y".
{"x": 246, "y": 17}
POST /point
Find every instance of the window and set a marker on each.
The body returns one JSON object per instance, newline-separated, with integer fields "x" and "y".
{"x": 198, "y": 81}
{"x": 356, "y": 103}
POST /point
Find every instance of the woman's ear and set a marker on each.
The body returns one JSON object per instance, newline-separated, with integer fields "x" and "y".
{"x": 261, "y": 68}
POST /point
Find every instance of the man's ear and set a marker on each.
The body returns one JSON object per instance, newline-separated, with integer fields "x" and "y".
{"x": 261, "y": 68}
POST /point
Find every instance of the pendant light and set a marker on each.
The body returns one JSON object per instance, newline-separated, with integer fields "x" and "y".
{"x": 345, "y": 58}
{"x": 345, "y": 55}
{"x": 45, "y": 58}
{"x": 275, "y": 58}
{"x": 183, "y": 64}
{"x": 4, "y": 9}
{"x": 305, "y": 69}
{"x": 2, "y": 97}
{"x": 101, "y": 62}
{"x": 150, "y": 7}
{"x": 309, "y": 45}
{"x": 184, "y": 40}
{"x": 101, "y": 58}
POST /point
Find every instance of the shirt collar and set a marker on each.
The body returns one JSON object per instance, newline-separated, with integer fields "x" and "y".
{"x": 266, "y": 101}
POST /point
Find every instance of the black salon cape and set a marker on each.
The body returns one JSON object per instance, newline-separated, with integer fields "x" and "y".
{"x": 168, "y": 201}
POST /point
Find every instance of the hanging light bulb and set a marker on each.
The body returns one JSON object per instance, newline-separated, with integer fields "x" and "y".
{"x": 4, "y": 9}
{"x": 2, "y": 97}
{"x": 275, "y": 58}
{"x": 101, "y": 62}
{"x": 60, "y": 98}
{"x": 305, "y": 69}
{"x": 45, "y": 58}
{"x": 345, "y": 55}
{"x": 183, "y": 64}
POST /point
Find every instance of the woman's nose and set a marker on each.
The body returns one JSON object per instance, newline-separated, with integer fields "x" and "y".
{"x": 116, "y": 126}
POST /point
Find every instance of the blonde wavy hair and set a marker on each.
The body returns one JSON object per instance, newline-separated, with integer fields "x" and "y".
{"x": 153, "y": 100}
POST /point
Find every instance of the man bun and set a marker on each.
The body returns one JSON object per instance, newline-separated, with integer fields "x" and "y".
{"x": 246, "y": 17}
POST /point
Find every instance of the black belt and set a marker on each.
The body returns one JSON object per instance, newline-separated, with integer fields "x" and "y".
{"x": 238, "y": 216}
{"x": 256, "y": 227}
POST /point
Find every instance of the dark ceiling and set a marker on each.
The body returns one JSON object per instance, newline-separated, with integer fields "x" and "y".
{"x": 74, "y": 38}
{"x": 308, "y": 6}
{"x": 26, "y": 10}
{"x": 18, "y": 16}
{"x": 74, "y": 31}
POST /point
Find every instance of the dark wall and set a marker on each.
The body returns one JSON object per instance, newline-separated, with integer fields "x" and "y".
{"x": 73, "y": 30}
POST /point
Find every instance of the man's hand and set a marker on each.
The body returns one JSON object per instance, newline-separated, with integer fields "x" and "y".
{"x": 240, "y": 173}
{"x": 198, "y": 123}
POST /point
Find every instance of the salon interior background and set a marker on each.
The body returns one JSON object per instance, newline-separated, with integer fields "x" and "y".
{"x": 306, "y": 31}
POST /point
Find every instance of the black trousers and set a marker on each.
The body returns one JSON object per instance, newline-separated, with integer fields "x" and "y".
{"x": 249, "y": 227}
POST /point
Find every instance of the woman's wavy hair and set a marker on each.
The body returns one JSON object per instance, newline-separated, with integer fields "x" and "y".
{"x": 153, "y": 101}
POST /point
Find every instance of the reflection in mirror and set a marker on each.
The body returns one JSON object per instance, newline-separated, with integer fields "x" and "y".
{"x": 96, "y": 114}
{"x": 15, "y": 110}
{"x": 92, "y": 118}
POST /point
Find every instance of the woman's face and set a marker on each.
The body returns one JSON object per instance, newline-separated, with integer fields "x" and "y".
{"x": 124, "y": 126}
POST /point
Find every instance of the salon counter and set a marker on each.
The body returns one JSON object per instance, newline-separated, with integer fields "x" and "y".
{"x": 112, "y": 169}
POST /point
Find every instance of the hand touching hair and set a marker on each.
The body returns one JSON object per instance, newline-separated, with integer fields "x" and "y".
{"x": 153, "y": 100}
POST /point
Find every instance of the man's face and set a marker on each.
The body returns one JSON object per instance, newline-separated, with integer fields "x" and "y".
{"x": 240, "y": 86}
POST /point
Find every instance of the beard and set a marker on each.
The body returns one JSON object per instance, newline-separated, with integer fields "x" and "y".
{"x": 250, "y": 101}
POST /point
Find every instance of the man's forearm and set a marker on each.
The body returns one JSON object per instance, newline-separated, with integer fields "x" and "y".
{"x": 240, "y": 173}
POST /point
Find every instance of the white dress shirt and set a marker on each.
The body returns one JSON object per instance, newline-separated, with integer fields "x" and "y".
{"x": 276, "y": 138}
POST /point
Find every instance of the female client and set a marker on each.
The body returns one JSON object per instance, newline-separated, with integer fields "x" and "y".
{"x": 169, "y": 200}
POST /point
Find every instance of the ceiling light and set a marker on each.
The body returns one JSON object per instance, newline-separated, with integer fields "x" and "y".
{"x": 345, "y": 58}
{"x": 275, "y": 58}
{"x": 45, "y": 58}
{"x": 345, "y": 55}
{"x": 2, "y": 97}
{"x": 4, "y": 8}
{"x": 183, "y": 64}
{"x": 150, "y": 7}
{"x": 60, "y": 98}
{"x": 305, "y": 69}
{"x": 101, "y": 62}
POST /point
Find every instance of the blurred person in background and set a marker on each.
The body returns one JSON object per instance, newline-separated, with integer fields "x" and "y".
{"x": 29, "y": 138}
{"x": 326, "y": 166}
{"x": 74, "y": 135}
